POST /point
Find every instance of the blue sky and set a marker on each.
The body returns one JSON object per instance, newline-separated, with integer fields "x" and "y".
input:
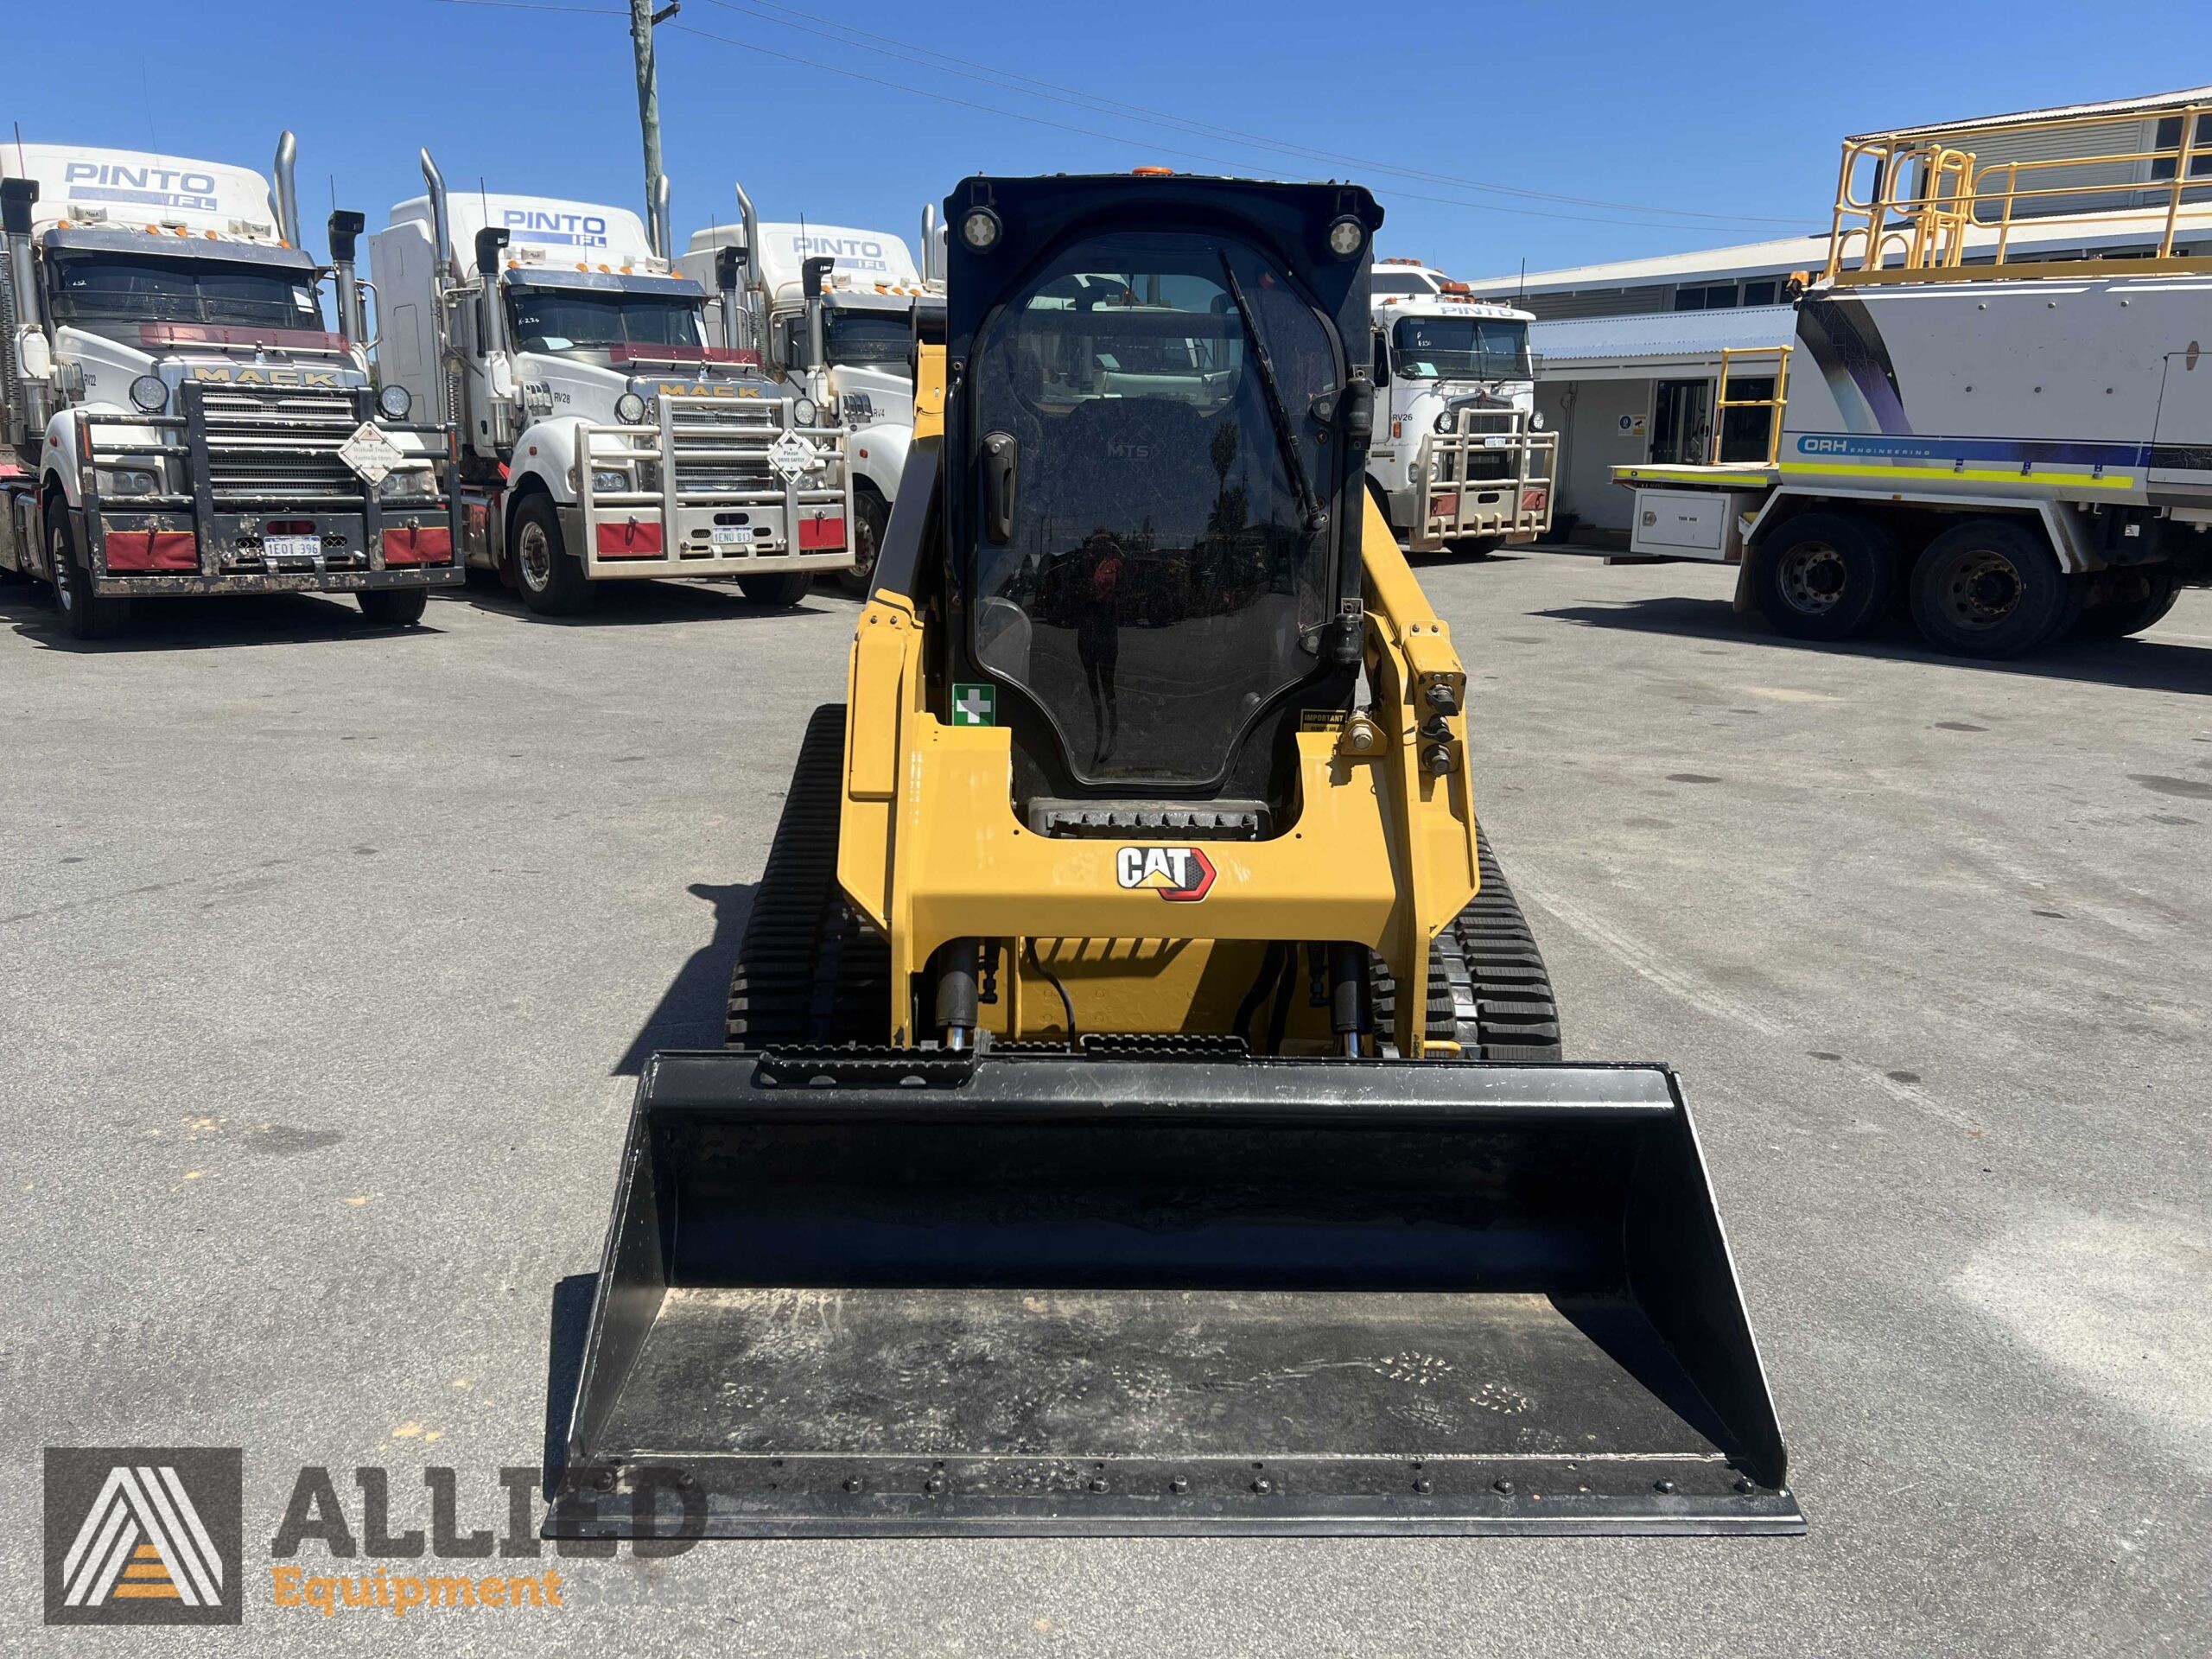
{"x": 1656, "y": 111}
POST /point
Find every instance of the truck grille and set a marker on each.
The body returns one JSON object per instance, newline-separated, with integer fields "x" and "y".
{"x": 725, "y": 450}
{"x": 280, "y": 444}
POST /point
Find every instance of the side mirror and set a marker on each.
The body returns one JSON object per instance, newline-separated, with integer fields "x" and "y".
{"x": 34, "y": 354}
{"x": 501, "y": 374}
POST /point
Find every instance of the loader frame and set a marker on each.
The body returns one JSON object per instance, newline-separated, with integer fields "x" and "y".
{"x": 1383, "y": 851}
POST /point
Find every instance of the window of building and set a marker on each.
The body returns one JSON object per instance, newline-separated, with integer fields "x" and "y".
{"x": 2200, "y": 160}
{"x": 1713, "y": 296}
{"x": 1760, "y": 293}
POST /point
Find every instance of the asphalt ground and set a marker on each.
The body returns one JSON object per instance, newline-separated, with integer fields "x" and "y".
{"x": 328, "y": 955}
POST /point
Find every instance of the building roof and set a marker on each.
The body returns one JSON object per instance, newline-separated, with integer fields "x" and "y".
{"x": 1810, "y": 253}
{"x": 1654, "y": 338}
{"x": 2119, "y": 106}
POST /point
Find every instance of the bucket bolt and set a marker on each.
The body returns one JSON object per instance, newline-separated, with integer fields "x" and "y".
{"x": 1436, "y": 760}
{"x": 1179, "y": 1485}
{"x": 1441, "y": 696}
{"x": 1504, "y": 1485}
{"x": 1424, "y": 1485}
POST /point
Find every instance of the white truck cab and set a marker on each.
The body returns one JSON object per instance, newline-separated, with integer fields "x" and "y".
{"x": 179, "y": 421}
{"x": 831, "y": 308}
{"x": 1460, "y": 458}
{"x": 603, "y": 437}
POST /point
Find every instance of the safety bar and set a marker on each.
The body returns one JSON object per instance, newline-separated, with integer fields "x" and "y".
{"x": 1905, "y": 202}
{"x": 671, "y": 444}
{"x": 1445, "y": 466}
{"x": 190, "y": 442}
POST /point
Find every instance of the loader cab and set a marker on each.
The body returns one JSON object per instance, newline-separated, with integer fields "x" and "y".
{"x": 1155, "y": 432}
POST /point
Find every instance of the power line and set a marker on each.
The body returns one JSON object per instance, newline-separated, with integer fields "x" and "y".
{"x": 1056, "y": 92}
{"x": 1149, "y": 145}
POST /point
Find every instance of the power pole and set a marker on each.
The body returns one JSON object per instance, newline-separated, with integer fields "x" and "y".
{"x": 642, "y": 19}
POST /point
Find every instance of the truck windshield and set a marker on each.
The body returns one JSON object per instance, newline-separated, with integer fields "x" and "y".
{"x": 112, "y": 295}
{"x": 578, "y": 318}
{"x": 1158, "y": 585}
{"x": 868, "y": 339}
{"x": 1456, "y": 349}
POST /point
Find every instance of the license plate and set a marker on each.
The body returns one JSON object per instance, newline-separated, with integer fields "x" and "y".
{"x": 725, "y": 535}
{"x": 291, "y": 547}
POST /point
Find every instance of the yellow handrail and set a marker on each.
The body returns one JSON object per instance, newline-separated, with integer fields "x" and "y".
{"x": 1924, "y": 193}
{"x": 1722, "y": 402}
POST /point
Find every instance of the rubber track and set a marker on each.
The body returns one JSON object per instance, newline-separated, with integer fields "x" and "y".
{"x": 806, "y": 971}
{"x": 1488, "y": 988}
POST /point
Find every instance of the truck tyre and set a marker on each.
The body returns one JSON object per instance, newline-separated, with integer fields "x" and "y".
{"x": 1992, "y": 588}
{"x": 84, "y": 616}
{"x": 1474, "y": 547}
{"x": 1824, "y": 576}
{"x": 551, "y": 578}
{"x": 2143, "y": 598}
{"x": 872, "y": 514}
{"x": 782, "y": 592}
{"x": 394, "y": 607}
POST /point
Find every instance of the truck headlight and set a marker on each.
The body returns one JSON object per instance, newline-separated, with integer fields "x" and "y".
{"x": 1535, "y": 420}
{"x": 393, "y": 402}
{"x": 414, "y": 484}
{"x": 610, "y": 478}
{"x": 1446, "y": 420}
{"x": 630, "y": 410}
{"x": 803, "y": 411}
{"x": 151, "y": 393}
{"x": 123, "y": 481}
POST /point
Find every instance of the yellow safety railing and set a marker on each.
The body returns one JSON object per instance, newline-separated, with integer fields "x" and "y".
{"x": 1722, "y": 402}
{"x": 1905, "y": 203}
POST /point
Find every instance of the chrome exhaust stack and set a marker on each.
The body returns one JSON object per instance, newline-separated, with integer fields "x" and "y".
{"x": 286, "y": 201}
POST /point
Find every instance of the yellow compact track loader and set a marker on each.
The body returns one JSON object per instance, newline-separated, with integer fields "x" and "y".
{"x": 1143, "y": 1110}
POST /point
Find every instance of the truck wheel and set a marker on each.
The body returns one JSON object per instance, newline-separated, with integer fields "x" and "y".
{"x": 394, "y": 607}
{"x": 1824, "y": 576}
{"x": 872, "y": 513}
{"x": 2143, "y": 598}
{"x": 1474, "y": 547}
{"x": 1991, "y": 587}
{"x": 552, "y": 579}
{"x": 84, "y": 616}
{"x": 782, "y": 592}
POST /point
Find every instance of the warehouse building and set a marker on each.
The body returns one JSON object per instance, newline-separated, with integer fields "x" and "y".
{"x": 1630, "y": 352}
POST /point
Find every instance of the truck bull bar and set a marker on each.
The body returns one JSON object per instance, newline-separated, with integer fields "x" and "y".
{"x": 266, "y": 474}
{"x": 1489, "y": 475}
{"x": 718, "y": 506}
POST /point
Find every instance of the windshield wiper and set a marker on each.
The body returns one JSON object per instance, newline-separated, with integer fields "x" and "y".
{"x": 1278, "y": 414}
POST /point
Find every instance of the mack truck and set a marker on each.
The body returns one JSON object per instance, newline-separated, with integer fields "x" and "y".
{"x": 2008, "y": 448}
{"x": 178, "y": 420}
{"x": 1460, "y": 458}
{"x": 603, "y": 437}
{"x": 831, "y": 309}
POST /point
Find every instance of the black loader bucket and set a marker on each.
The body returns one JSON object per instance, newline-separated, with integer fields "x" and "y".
{"x": 1044, "y": 1293}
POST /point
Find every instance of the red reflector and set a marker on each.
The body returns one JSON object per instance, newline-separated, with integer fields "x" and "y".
{"x": 1443, "y": 507}
{"x": 430, "y": 544}
{"x": 152, "y": 549}
{"x": 817, "y": 535}
{"x": 629, "y": 540}
{"x": 1533, "y": 500}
